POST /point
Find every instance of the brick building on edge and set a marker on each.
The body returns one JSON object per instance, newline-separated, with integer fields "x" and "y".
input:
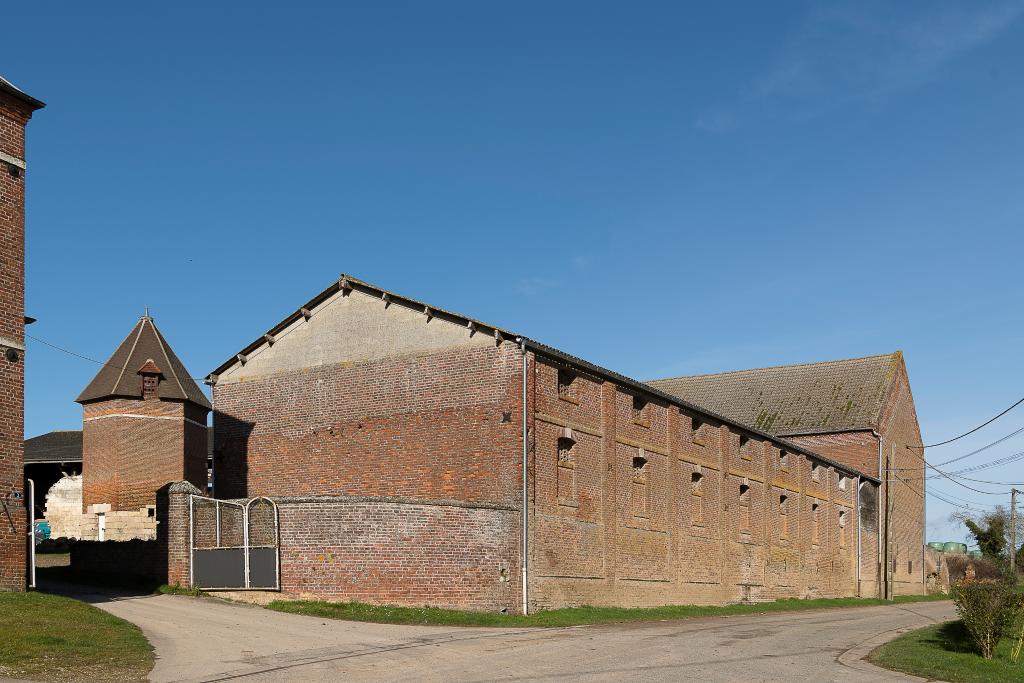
{"x": 394, "y": 436}
{"x": 16, "y": 109}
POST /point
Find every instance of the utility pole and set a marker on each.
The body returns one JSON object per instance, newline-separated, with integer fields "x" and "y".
{"x": 1013, "y": 532}
{"x": 890, "y": 504}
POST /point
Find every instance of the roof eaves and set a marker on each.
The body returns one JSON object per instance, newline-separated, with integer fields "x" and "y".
{"x": 16, "y": 92}
{"x": 648, "y": 389}
{"x": 347, "y": 282}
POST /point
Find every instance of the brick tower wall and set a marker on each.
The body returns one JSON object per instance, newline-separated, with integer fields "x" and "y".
{"x": 13, "y": 118}
{"x": 130, "y": 448}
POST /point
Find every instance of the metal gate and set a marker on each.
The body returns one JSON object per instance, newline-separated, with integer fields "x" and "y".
{"x": 234, "y": 545}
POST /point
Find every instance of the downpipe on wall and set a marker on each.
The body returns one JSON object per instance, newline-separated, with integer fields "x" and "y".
{"x": 524, "y": 516}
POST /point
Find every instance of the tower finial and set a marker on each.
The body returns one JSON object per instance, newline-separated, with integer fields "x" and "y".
{"x": 147, "y": 310}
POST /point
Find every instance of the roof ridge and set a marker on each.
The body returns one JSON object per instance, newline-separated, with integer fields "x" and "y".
{"x": 131, "y": 351}
{"x": 776, "y": 367}
{"x": 163, "y": 349}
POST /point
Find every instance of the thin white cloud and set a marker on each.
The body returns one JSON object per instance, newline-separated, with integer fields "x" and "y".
{"x": 856, "y": 51}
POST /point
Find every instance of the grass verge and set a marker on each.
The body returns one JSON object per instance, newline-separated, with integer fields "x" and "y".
{"x": 52, "y": 638}
{"x": 576, "y": 616}
{"x": 945, "y": 652}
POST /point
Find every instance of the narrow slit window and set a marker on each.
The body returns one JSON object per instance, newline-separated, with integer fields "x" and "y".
{"x": 566, "y": 483}
{"x": 814, "y": 524}
{"x": 696, "y": 498}
{"x": 744, "y": 501}
{"x": 639, "y": 485}
{"x": 784, "y": 516}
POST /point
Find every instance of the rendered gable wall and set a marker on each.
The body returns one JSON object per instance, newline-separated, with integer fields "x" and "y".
{"x": 353, "y": 328}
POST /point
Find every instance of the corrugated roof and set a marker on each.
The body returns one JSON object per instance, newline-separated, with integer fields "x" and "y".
{"x": 838, "y": 395}
{"x": 349, "y": 282}
{"x": 119, "y": 376}
{"x": 59, "y": 446}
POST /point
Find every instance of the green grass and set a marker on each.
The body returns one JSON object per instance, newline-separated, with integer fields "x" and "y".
{"x": 48, "y": 637}
{"x": 576, "y": 616}
{"x": 945, "y": 652}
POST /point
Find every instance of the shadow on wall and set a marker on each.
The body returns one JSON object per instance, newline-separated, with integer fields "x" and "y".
{"x": 230, "y": 456}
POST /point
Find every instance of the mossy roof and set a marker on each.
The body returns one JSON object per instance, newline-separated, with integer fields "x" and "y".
{"x": 838, "y": 395}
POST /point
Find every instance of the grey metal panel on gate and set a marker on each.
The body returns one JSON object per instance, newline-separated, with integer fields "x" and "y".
{"x": 262, "y": 567}
{"x": 218, "y": 568}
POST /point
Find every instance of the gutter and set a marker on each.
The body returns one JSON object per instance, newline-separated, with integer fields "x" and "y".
{"x": 551, "y": 352}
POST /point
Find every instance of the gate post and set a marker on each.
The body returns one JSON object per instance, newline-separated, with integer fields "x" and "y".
{"x": 173, "y": 529}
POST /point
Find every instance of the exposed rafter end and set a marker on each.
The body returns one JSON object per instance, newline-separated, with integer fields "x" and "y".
{"x": 242, "y": 358}
{"x": 305, "y": 313}
{"x": 270, "y": 339}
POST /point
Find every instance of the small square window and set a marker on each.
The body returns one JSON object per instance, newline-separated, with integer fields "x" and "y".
{"x": 697, "y": 431}
{"x": 639, "y": 411}
{"x": 783, "y": 459}
{"x": 567, "y": 385}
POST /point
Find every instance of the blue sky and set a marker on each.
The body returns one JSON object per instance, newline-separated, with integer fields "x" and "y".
{"x": 663, "y": 189}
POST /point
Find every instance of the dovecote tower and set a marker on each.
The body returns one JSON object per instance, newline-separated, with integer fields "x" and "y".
{"x": 143, "y": 425}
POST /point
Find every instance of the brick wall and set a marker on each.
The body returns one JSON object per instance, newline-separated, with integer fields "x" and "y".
{"x": 441, "y": 425}
{"x": 900, "y": 437}
{"x": 130, "y": 448}
{"x": 637, "y": 503}
{"x": 13, "y": 118}
{"x": 632, "y": 502}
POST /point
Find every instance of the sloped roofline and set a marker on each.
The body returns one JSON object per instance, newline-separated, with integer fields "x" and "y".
{"x": 783, "y": 366}
{"x": 14, "y": 91}
{"x": 349, "y": 283}
{"x": 134, "y": 336}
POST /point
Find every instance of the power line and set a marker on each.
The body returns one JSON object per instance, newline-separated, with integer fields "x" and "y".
{"x": 91, "y": 360}
{"x": 983, "y": 448}
{"x": 987, "y": 422}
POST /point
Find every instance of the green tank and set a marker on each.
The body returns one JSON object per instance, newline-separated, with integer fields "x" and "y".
{"x": 936, "y": 545}
{"x": 976, "y": 554}
{"x": 954, "y": 547}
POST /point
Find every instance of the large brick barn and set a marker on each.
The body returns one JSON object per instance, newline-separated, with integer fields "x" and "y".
{"x": 16, "y": 109}
{"x": 393, "y": 436}
{"x": 858, "y": 411}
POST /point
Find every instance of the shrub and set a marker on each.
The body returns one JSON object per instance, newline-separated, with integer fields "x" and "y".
{"x": 988, "y": 609}
{"x": 984, "y": 567}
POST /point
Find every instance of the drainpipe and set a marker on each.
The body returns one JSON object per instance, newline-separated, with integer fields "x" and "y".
{"x": 524, "y": 551}
{"x": 31, "y": 533}
{"x": 883, "y": 573}
{"x": 859, "y": 520}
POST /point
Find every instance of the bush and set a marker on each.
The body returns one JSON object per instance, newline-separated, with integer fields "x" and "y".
{"x": 984, "y": 568}
{"x": 988, "y": 609}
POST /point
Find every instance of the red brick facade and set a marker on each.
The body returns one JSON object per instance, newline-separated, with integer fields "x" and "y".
{"x": 14, "y": 116}
{"x": 132, "y": 447}
{"x": 902, "y": 463}
{"x": 634, "y": 500}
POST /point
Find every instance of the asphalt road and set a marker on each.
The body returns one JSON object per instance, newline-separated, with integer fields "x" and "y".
{"x": 203, "y": 639}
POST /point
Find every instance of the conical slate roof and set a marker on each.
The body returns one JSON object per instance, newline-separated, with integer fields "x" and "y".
{"x": 119, "y": 376}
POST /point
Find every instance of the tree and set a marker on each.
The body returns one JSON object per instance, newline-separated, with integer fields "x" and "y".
{"x": 991, "y": 531}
